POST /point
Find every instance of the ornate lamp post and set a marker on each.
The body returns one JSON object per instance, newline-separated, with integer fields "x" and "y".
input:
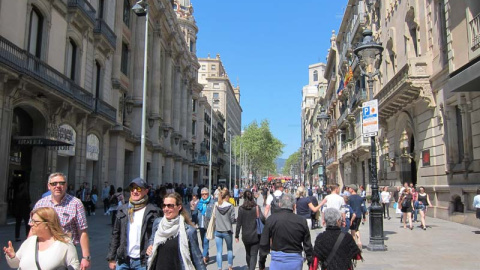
{"x": 323, "y": 119}
{"x": 308, "y": 145}
{"x": 369, "y": 56}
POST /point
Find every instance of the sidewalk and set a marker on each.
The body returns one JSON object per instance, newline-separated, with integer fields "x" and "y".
{"x": 444, "y": 245}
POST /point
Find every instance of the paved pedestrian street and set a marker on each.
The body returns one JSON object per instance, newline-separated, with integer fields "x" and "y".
{"x": 444, "y": 245}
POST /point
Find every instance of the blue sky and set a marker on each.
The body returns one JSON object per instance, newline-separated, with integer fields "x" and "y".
{"x": 267, "y": 46}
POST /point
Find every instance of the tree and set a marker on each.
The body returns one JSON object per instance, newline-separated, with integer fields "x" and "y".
{"x": 261, "y": 146}
{"x": 292, "y": 164}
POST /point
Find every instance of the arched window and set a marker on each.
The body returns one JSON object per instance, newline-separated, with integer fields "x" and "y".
{"x": 315, "y": 76}
{"x": 35, "y": 34}
{"x": 72, "y": 59}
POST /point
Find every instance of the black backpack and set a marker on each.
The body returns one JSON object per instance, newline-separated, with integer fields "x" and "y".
{"x": 274, "y": 205}
{"x": 114, "y": 200}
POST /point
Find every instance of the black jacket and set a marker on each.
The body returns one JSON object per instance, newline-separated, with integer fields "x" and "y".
{"x": 246, "y": 221}
{"x": 346, "y": 252}
{"x": 118, "y": 243}
{"x": 289, "y": 233}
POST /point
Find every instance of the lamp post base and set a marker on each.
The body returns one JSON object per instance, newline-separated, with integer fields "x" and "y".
{"x": 376, "y": 229}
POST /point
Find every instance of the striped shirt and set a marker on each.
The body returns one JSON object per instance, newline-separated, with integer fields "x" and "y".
{"x": 71, "y": 214}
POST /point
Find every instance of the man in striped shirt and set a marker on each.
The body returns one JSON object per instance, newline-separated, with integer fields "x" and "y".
{"x": 71, "y": 213}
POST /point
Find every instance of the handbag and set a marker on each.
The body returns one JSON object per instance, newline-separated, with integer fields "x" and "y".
{"x": 260, "y": 224}
{"x": 211, "y": 225}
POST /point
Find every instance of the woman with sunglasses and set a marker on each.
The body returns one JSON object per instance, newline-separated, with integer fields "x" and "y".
{"x": 48, "y": 247}
{"x": 205, "y": 207}
{"x": 175, "y": 243}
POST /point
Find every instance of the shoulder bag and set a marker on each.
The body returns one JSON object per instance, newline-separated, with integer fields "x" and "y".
{"x": 334, "y": 251}
{"x": 211, "y": 225}
{"x": 260, "y": 224}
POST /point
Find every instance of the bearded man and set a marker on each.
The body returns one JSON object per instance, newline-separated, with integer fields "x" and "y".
{"x": 132, "y": 229}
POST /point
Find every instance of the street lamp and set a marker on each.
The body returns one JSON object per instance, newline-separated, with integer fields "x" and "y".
{"x": 308, "y": 144}
{"x": 230, "y": 154}
{"x": 323, "y": 120}
{"x": 214, "y": 100}
{"x": 369, "y": 55}
{"x": 141, "y": 9}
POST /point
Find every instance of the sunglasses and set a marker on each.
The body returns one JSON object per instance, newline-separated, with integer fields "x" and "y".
{"x": 138, "y": 189}
{"x": 54, "y": 184}
{"x": 36, "y": 222}
{"x": 169, "y": 205}
{"x": 204, "y": 193}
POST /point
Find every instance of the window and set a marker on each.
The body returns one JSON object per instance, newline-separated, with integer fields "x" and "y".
{"x": 35, "y": 35}
{"x": 194, "y": 127}
{"x": 97, "y": 78}
{"x": 204, "y": 67}
{"x": 126, "y": 12}
{"x": 315, "y": 76}
{"x": 216, "y": 86}
{"x": 216, "y": 96}
{"x": 125, "y": 55}
{"x": 72, "y": 59}
{"x": 459, "y": 127}
{"x": 101, "y": 5}
{"x": 191, "y": 46}
{"x": 194, "y": 105}
{"x": 214, "y": 67}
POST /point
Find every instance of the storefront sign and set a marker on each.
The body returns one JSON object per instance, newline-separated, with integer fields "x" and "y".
{"x": 93, "y": 147}
{"x": 67, "y": 134}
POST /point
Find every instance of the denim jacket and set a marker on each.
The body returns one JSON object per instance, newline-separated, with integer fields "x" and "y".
{"x": 195, "y": 253}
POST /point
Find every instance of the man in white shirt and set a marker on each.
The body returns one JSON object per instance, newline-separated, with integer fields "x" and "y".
{"x": 132, "y": 230}
{"x": 273, "y": 198}
{"x": 333, "y": 200}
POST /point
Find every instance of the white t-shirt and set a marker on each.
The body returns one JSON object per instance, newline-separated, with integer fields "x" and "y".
{"x": 333, "y": 201}
{"x": 135, "y": 234}
{"x": 276, "y": 193}
{"x": 58, "y": 254}
{"x": 385, "y": 196}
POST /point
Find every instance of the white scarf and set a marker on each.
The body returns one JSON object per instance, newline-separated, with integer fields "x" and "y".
{"x": 171, "y": 228}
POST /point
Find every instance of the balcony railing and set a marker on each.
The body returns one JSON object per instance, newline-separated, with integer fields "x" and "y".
{"x": 101, "y": 27}
{"x": 26, "y": 63}
{"x": 104, "y": 109}
{"x": 85, "y": 7}
{"x": 475, "y": 33}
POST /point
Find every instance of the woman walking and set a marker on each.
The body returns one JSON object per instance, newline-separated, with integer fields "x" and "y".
{"x": 305, "y": 206}
{"x": 246, "y": 222}
{"x": 175, "y": 244}
{"x": 386, "y": 196}
{"x": 406, "y": 202}
{"x": 224, "y": 217}
{"x": 205, "y": 210}
{"x": 423, "y": 203}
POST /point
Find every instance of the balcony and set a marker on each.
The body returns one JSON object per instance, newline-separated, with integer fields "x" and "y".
{"x": 83, "y": 14}
{"x": 332, "y": 127}
{"x": 346, "y": 150}
{"x": 105, "y": 35}
{"x": 474, "y": 37}
{"x": 104, "y": 109}
{"x": 27, "y": 64}
{"x": 332, "y": 102}
{"x": 332, "y": 161}
{"x": 361, "y": 145}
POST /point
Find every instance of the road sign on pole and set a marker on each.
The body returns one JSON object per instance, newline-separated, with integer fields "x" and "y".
{"x": 370, "y": 118}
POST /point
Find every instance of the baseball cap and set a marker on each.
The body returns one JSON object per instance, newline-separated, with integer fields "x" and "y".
{"x": 139, "y": 182}
{"x": 353, "y": 186}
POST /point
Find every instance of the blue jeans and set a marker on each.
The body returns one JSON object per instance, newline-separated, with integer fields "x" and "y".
{"x": 205, "y": 241}
{"x": 131, "y": 264}
{"x": 219, "y": 236}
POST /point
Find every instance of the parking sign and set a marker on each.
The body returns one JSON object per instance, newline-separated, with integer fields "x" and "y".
{"x": 370, "y": 118}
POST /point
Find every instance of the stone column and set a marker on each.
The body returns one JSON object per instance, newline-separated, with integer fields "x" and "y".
{"x": 183, "y": 107}
{"x": 167, "y": 101}
{"x": 6, "y": 112}
{"x": 156, "y": 170}
{"x": 185, "y": 174}
{"x": 168, "y": 170}
{"x": 116, "y": 161}
{"x": 190, "y": 174}
{"x": 177, "y": 171}
{"x": 466, "y": 128}
{"x": 189, "y": 111}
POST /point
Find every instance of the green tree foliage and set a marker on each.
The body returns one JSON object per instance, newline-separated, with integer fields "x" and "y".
{"x": 292, "y": 162}
{"x": 261, "y": 146}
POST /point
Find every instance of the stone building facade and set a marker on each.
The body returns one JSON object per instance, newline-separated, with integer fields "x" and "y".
{"x": 427, "y": 92}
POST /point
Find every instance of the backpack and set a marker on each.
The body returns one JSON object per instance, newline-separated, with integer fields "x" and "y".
{"x": 274, "y": 205}
{"x": 114, "y": 200}
{"x": 405, "y": 203}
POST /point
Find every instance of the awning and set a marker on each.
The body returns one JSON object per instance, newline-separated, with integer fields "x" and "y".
{"x": 39, "y": 141}
{"x": 467, "y": 80}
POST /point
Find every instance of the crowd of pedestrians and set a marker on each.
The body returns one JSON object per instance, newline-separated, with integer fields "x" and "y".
{"x": 171, "y": 226}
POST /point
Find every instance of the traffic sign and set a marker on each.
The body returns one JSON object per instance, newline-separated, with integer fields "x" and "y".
{"x": 370, "y": 118}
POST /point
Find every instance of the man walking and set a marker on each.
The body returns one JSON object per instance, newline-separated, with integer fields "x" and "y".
{"x": 355, "y": 202}
{"x": 85, "y": 197}
{"x": 71, "y": 213}
{"x": 132, "y": 230}
{"x": 286, "y": 235}
{"x": 273, "y": 199}
{"x": 105, "y": 198}
{"x": 236, "y": 195}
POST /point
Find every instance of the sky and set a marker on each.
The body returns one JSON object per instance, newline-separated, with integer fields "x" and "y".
{"x": 266, "y": 48}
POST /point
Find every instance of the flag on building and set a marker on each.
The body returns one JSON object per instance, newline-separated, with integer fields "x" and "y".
{"x": 348, "y": 76}
{"x": 340, "y": 88}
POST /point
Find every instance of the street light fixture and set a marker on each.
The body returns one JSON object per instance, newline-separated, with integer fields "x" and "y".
{"x": 230, "y": 154}
{"x": 308, "y": 144}
{"x": 369, "y": 55}
{"x": 141, "y": 9}
{"x": 323, "y": 119}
